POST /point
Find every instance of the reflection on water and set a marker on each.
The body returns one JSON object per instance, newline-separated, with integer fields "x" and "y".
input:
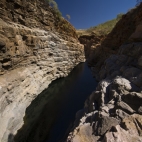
{"x": 50, "y": 114}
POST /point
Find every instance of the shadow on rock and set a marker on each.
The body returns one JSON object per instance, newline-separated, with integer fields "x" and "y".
{"x": 10, "y": 138}
{"x": 41, "y": 115}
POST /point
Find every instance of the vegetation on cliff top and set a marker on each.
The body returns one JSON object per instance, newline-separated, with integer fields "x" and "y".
{"x": 61, "y": 24}
{"x": 101, "y": 29}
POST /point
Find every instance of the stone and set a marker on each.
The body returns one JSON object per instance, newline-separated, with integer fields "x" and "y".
{"x": 133, "y": 124}
{"x": 120, "y": 83}
{"x": 137, "y": 80}
{"x": 105, "y": 109}
{"x": 131, "y": 72}
{"x": 104, "y": 124}
{"x": 7, "y": 64}
{"x": 125, "y": 107}
{"x": 132, "y": 50}
{"x": 138, "y": 33}
{"x": 140, "y": 61}
{"x": 9, "y": 87}
{"x": 133, "y": 98}
{"x": 84, "y": 134}
{"x": 98, "y": 97}
{"x": 113, "y": 94}
{"x": 115, "y": 73}
{"x": 140, "y": 110}
{"x": 2, "y": 43}
{"x": 117, "y": 134}
{"x": 78, "y": 116}
{"x": 121, "y": 114}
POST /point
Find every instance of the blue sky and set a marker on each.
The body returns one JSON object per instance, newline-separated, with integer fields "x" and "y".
{"x": 87, "y": 13}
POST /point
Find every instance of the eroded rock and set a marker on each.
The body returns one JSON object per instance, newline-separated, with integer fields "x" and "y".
{"x": 34, "y": 50}
{"x": 119, "y": 99}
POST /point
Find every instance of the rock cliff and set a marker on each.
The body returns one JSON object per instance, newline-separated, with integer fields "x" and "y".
{"x": 113, "y": 112}
{"x": 121, "y": 34}
{"x": 36, "y": 47}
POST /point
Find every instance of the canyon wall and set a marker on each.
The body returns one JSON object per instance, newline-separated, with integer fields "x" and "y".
{"x": 113, "y": 112}
{"x": 37, "y": 46}
{"x": 121, "y": 34}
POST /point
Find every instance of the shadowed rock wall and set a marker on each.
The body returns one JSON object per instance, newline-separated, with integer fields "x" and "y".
{"x": 127, "y": 30}
{"x": 34, "y": 50}
{"x": 113, "y": 112}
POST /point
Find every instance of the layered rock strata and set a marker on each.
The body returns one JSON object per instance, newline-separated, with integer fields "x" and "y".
{"x": 33, "y": 53}
{"x": 92, "y": 45}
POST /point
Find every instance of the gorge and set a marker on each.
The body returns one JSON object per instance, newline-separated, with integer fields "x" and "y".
{"x": 40, "y": 90}
{"x": 33, "y": 54}
{"x": 112, "y": 113}
{"x": 51, "y": 113}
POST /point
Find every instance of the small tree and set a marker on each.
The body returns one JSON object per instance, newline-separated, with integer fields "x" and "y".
{"x": 54, "y": 5}
{"x": 68, "y": 17}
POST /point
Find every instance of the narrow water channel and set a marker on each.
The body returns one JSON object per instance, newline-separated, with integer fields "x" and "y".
{"x": 53, "y": 111}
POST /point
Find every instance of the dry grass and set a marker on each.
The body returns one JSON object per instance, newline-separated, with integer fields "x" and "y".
{"x": 101, "y": 29}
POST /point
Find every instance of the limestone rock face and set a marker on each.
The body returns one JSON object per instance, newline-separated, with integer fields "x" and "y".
{"x": 92, "y": 46}
{"x": 34, "y": 51}
{"x": 113, "y": 111}
{"x": 120, "y": 134}
{"x": 37, "y": 14}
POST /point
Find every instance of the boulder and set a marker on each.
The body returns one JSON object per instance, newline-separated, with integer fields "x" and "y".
{"x": 104, "y": 124}
{"x": 2, "y": 43}
{"x": 133, "y": 98}
{"x": 83, "y": 134}
{"x": 125, "y": 107}
{"x": 117, "y": 134}
{"x": 133, "y": 124}
{"x": 140, "y": 110}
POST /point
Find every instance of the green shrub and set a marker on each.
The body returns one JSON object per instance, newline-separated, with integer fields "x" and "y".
{"x": 54, "y": 5}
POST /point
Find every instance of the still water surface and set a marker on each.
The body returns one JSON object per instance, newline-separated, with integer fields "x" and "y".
{"x": 76, "y": 92}
{"x": 51, "y": 113}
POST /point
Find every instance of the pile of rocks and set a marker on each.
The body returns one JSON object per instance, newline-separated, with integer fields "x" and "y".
{"x": 114, "y": 111}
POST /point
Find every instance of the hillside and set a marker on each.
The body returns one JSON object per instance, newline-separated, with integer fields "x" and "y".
{"x": 101, "y": 29}
{"x": 120, "y": 34}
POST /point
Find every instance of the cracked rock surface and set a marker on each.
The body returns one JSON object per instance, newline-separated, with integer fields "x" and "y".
{"x": 112, "y": 113}
{"x": 33, "y": 53}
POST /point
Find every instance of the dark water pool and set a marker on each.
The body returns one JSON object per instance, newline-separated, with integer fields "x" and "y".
{"x": 76, "y": 92}
{"x": 51, "y": 113}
